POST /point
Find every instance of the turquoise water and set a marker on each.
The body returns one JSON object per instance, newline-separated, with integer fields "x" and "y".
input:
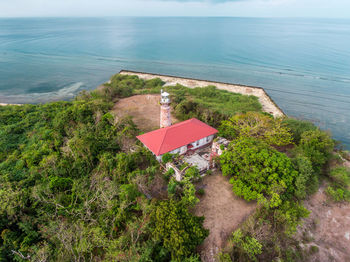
{"x": 304, "y": 64}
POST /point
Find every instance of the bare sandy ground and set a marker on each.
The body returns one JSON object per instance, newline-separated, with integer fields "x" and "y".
{"x": 267, "y": 103}
{"x": 4, "y": 104}
{"x": 223, "y": 212}
{"x": 328, "y": 228}
{"x": 144, "y": 109}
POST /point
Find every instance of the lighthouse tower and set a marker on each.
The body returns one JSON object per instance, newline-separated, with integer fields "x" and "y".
{"x": 165, "y": 116}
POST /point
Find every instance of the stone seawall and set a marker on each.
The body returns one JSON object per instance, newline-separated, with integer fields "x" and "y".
{"x": 268, "y": 105}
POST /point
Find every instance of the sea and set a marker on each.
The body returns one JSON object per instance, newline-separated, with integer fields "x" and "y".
{"x": 303, "y": 64}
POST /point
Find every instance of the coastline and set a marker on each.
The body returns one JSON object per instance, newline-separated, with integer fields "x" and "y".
{"x": 268, "y": 105}
{"x": 5, "y": 104}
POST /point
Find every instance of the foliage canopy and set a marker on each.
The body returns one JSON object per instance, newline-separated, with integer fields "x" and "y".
{"x": 257, "y": 170}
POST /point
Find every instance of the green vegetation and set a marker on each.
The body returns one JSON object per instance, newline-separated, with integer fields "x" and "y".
{"x": 178, "y": 230}
{"x": 75, "y": 185}
{"x": 339, "y": 188}
{"x": 297, "y": 127}
{"x": 211, "y": 104}
{"x": 72, "y": 190}
{"x": 261, "y": 126}
{"x": 247, "y": 247}
{"x": 317, "y": 146}
{"x": 208, "y": 104}
{"x": 278, "y": 182}
{"x": 166, "y": 158}
{"x": 257, "y": 170}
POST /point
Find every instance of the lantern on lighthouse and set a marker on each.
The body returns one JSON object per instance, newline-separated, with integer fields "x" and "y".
{"x": 165, "y": 115}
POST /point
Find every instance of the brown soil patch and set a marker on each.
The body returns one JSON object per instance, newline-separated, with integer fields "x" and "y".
{"x": 328, "y": 228}
{"x": 144, "y": 109}
{"x": 223, "y": 213}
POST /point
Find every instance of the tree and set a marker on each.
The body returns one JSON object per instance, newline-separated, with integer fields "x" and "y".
{"x": 257, "y": 125}
{"x": 178, "y": 230}
{"x": 307, "y": 181}
{"x": 298, "y": 127}
{"x": 166, "y": 157}
{"x": 246, "y": 247}
{"x": 257, "y": 170}
{"x": 317, "y": 146}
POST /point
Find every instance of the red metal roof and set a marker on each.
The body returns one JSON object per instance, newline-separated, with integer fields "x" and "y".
{"x": 166, "y": 139}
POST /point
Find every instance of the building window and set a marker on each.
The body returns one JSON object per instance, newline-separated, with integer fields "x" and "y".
{"x": 207, "y": 138}
{"x": 197, "y": 143}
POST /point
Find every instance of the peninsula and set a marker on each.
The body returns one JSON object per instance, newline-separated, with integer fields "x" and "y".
{"x": 151, "y": 167}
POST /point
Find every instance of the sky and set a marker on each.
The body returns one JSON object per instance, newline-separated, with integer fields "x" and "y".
{"x": 237, "y": 8}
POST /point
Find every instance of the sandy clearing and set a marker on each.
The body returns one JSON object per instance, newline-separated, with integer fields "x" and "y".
{"x": 223, "y": 213}
{"x": 144, "y": 109}
{"x": 328, "y": 227}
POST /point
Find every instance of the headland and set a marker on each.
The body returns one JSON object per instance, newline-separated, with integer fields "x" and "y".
{"x": 268, "y": 105}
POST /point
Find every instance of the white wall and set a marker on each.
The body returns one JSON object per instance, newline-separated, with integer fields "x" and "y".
{"x": 202, "y": 141}
{"x": 183, "y": 149}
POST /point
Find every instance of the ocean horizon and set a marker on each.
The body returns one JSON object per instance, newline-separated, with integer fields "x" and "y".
{"x": 303, "y": 64}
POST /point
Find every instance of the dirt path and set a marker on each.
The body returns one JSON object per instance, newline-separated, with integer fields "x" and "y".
{"x": 145, "y": 110}
{"x": 223, "y": 212}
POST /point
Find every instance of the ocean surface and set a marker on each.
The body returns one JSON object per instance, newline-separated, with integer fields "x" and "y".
{"x": 303, "y": 64}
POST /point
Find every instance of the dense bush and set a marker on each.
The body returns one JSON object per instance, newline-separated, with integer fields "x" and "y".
{"x": 166, "y": 157}
{"x": 179, "y": 231}
{"x": 340, "y": 183}
{"x": 246, "y": 248}
{"x": 317, "y": 146}
{"x": 257, "y": 125}
{"x": 210, "y": 104}
{"x": 306, "y": 182}
{"x": 268, "y": 235}
{"x": 257, "y": 170}
{"x": 298, "y": 127}
{"x": 69, "y": 185}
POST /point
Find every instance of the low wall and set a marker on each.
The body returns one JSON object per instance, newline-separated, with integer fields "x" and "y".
{"x": 268, "y": 105}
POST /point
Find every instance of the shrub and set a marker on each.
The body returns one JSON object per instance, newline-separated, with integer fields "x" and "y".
{"x": 256, "y": 169}
{"x": 191, "y": 173}
{"x": 338, "y": 194}
{"x": 168, "y": 174}
{"x": 172, "y": 186}
{"x": 306, "y": 181}
{"x": 189, "y": 194}
{"x": 257, "y": 125}
{"x": 60, "y": 184}
{"x": 154, "y": 83}
{"x": 246, "y": 246}
{"x": 201, "y": 191}
{"x": 340, "y": 176}
{"x": 317, "y": 146}
{"x": 298, "y": 127}
{"x": 166, "y": 158}
{"x": 178, "y": 230}
{"x": 314, "y": 249}
{"x": 209, "y": 172}
{"x": 288, "y": 216}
